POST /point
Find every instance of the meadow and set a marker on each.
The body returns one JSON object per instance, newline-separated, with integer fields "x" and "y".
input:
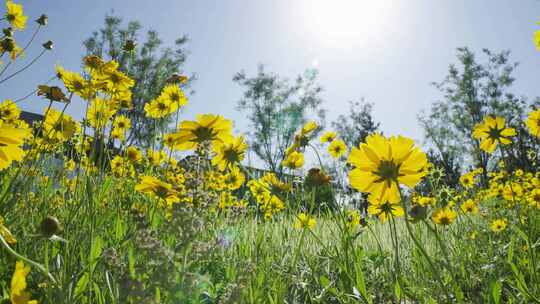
{"x": 85, "y": 218}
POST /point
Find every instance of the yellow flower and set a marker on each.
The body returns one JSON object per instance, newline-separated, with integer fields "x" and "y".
{"x": 99, "y": 113}
{"x": 14, "y": 15}
{"x": 533, "y": 120}
{"x": 383, "y": 163}
{"x": 9, "y": 112}
{"x": 229, "y": 153}
{"x": 155, "y": 157}
{"x": 467, "y": 180}
{"x": 75, "y": 83}
{"x": 11, "y": 140}
{"x": 59, "y": 126}
{"x": 122, "y": 122}
{"x": 133, "y": 154}
{"x": 174, "y": 95}
{"x": 469, "y": 206}
{"x": 385, "y": 210}
{"x": 328, "y": 136}
{"x": 337, "y": 148}
{"x": 498, "y": 225}
{"x": 534, "y": 198}
{"x": 444, "y": 216}
{"x": 18, "y": 294}
{"x": 294, "y": 160}
{"x": 493, "y": 130}
{"x": 207, "y": 128}
{"x": 234, "y": 179}
{"x": 5, "y": 233}
{"x": 157, "y": 188}
{"x": 536, "y": 39}
{"x": 159, "y": 108}
{"x": 353, "y": 219}
{"x": 304, "y": 221}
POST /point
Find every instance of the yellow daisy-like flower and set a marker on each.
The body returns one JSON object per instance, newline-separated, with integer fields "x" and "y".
{"x": 294, "y": 160}
{"x": 383, "y": 163}
{"x": 122, "y": 122}
{"x": 337, "y": 148}
{"x": 157, "y": 188}
{"x": 9, "y": 112}
{"x": 304, "y": 221}
{"x": 353, "y": 219}
{"x": 234, "y": 179}
{"x": 133, "y": 154}
{"x": 491, "y": 131}
{"x": 467, "y": 180}
{"x": 207, "y": 128}
{"x": 155, "y": 157}
{"x": 533, "y": 122}
{"x": 443, "y": 216}
{"x": 18, "y": 293}
{"x": 159, "y": 108}
{"x": 174, "y": 95}
{"x": 11, "y": 140}
{"x": 328, "y": 137}
{"x": 536, "y": 39}
{"x": 15, "y": 16}
{"x": 75, "y": 83}
{"x": 229, "y": 153}
{"x": 498, "y": 225}
{"x": 534, "y": 198}
{"x": 99, "y": 113}
{"x": 59, "y": 126}
{"x": 385, "y": 210}
{"x": 469, "y": 206}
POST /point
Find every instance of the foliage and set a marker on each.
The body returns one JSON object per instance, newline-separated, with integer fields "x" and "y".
{"x": 357, "y": 124}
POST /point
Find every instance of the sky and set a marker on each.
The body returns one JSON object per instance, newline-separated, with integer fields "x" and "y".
{"x": 386, "y": 51}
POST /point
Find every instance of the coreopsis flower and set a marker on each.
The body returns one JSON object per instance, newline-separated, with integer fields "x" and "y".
{"x": 118, "y": 134}
{"x": 491, "y": 131}
{"x": 156, "y": 157}
{"x": 9, "y": 112}
{"x": 385, "y": 210}
{"x": 174, "y": 95}
{"x": 58, "y": 126}
{"x": 5, "y": 233}
{"x": 469, "y": 206}
{"x": 328, "y": 137}
{"x": 533, "y": 121}
{"x": 272, "y": 182}
{"x": 206, "y": 128}
{"x": 133, "y": 154}
{"x": 75, "y": 83}
{"x": 443, "y": 216}
{"x": 52, "y": 93}
{"x": 234, "y": 179}
{"x": 302, "y": 139}
{"x": 337, "y": 148}
{"x": 121, "y": 167}
{"x": 99, "y": 113}
{"x": 157, "y": 188}
{"x": 467, "y": 180}
{"x": 536, "y": 39}
{"x": 114, "y": 81}
{"x": 316, "y": 178}
{"x": 159, "y": 108}
{"x": 8, "y": 45}
{"x": 18, "y": 293}
{"x": 383, "y": 163}
{"x": 229, "y": 153}
{"x": 121, "y": 122}
{"x": 353, "y": 219}
{"x": 305, "y": 221}
{"x": 534, "y": 198}
{"x": 294, "y": 160}
{"x": 498, "y": 225}
{"x": 11, "y": 140}
{"x": 15, "y": 16}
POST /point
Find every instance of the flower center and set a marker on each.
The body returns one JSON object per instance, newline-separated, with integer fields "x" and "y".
{"x": 387, "y": 171}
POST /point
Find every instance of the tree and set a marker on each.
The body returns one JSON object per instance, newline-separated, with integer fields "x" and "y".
{"x": 276, "y": 108}
{"x": 471, "y": 91}
{"x": 354, "y": 127}
{"x": 150, "y": 65}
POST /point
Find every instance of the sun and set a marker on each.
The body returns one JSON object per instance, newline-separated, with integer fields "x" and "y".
{"x": 346, "y": 23}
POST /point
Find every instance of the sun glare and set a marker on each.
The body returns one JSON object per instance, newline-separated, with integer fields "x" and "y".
{"x": 346, "y": 23}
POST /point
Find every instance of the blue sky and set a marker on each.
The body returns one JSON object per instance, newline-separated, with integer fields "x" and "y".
{"x": 386, "y": 51}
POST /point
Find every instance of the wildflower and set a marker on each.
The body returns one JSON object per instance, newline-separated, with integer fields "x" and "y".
{"x": 5, "y": 233}
{"x": 122, "y": 122}
{"x": 469, "y": 206}
{"x": 50, "y": 226}
{"x": 533, "y": 120}
{"x": 15, "y": 16}
{"x": 69, "y": 165}
{"x": 234, "y": 179}
{"x": 316, "y": 178}
{"x": 383, "y": 163}
{"x": 18, "y": 294}
{"x": 337, "y": 148}
{"x": 304, "y": 221}
{"x": 155, "y": 157}
{"x": 328, "y": 137}
{"x": 174, "y": 95}
{"x": 353, "y": 219}
{"x": 9, "y": 112}
{"x": 157, "y": 188}
{"x": 534, "y": 198}
{"x": 385, "y": 210}
{"x": 491, "y": 131}
{"x": 59, "y": 126}
{"x": 498, "y": 225}
{"x": 52, "y": 93}
{"x": 229, "y": 153}
{"x": 206, "y": 128}
{"x": 443, "y": 216}
{"x": 11, "y": 140}
{"x": 99, "y": 113}
{"x": 294, "y": 160}
{"x": 159, "y": 108}
{"x": 75, "y": 83}
{"x": 467, "y": 180}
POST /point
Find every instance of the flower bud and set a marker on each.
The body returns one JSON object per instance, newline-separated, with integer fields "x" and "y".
{"x": 42, "y": 20}
{"x": 50, "y": 226}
